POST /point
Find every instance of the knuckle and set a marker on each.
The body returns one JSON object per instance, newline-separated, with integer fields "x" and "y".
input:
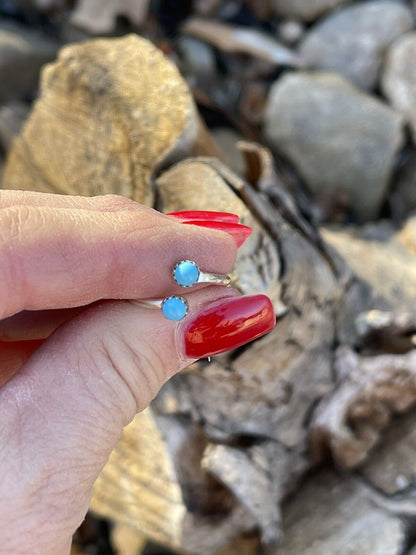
{"x": 15, "y": 221}
{"x": 117, "y": 202}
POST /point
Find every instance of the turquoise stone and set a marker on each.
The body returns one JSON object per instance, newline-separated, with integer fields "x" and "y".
{"x": 174, "y": 308}
{"x": 186, "y": 273}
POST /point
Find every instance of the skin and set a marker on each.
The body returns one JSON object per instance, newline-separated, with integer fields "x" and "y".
{"x": 76, "y": 365}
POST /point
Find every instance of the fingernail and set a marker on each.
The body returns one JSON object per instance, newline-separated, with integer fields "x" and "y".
{"x": 227, "y": 325}
{"x": 207, "y": 215}
{"x": 238, "y": 231}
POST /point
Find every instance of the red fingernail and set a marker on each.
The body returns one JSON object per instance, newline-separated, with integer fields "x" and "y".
{"x": 227, "y": 325}
{"x": 238, "y": 231}
{"x": 207, "y": 215}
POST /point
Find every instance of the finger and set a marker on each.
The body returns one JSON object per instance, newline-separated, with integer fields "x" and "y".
{"x": 62, "y": 414}
{"x": 103, "y": 203}
{"x": 62, "y": 257}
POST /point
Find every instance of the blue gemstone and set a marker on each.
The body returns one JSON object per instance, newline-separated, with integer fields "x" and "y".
{"x": 186, "y": 273}
{"x": 174, "y": 308}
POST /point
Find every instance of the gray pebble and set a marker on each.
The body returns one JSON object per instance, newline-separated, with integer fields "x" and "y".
{"x": 399, "y": 78}
{"x": 352, "y": 41}
{"x": 290, "y": 31}
{"x": 22, "y": 54}
{"x": 306, "y": 10}
{"x": 12, "y": 118}
{"x": 341, "y": 140}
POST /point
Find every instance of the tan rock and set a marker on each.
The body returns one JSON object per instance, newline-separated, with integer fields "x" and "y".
{"x": 110, "y": 112}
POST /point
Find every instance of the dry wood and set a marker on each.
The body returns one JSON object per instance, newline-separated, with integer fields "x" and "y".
{"x": 370, "y": 390}
{"x": 337, "y": 514}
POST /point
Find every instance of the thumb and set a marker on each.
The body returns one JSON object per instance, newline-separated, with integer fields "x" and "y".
{"x": 63, "y": 412}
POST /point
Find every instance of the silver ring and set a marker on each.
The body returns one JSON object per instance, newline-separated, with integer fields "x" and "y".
{"x": 174, "y": 308}
{"x": 186, "y": 274}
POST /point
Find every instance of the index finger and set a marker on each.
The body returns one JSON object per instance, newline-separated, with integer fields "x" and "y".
{"x": 60, "y": 257}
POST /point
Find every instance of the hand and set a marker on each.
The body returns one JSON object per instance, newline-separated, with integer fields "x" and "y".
{"x": 76, "y": 364}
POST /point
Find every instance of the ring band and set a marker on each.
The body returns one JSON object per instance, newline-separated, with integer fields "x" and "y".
{"x": 186, "y": 273}
{"x": 173, "y": 308}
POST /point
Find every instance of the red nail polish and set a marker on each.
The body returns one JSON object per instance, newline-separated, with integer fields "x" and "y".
{"x": 227, "y": 325}
{"x": 238, "y": 231}
{"x": 206, "y": 215}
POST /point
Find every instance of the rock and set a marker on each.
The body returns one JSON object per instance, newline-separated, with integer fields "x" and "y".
{"x": 352, "y": 41}
{"x": 306, "y": 10}
{"x": 402, "y": 198}
{"x": 399, "y": 78}
{"x": 333, "y": 514}
{"x": 290, "y": 31}
{"x": 12, "y": 117}
{"x": 22, "y": 54}
{"x": 99, "y": 16}
{"x": 340, "y": 140}
{"x": 114, "y": 111}
{"x": 197, "y": 57}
